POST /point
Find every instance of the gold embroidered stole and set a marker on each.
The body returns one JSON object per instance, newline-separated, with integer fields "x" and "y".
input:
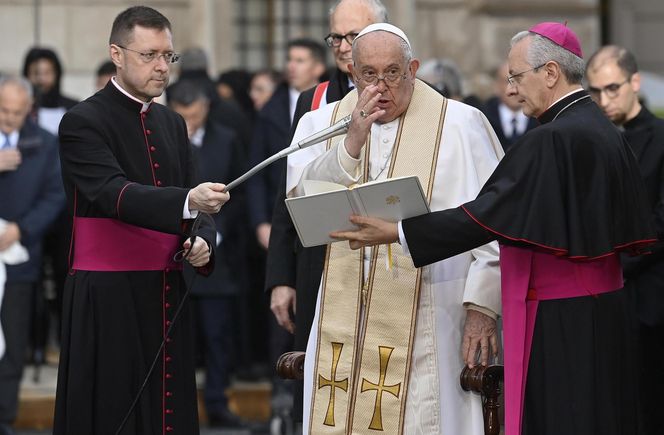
{"x": 366, "y": 329}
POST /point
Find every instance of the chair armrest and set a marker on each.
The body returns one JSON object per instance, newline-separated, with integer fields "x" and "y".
{"x": 290, "y": 365}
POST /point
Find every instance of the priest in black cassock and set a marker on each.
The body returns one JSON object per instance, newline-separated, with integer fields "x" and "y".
{"x": 563, "y": 203}
{"x": 614, "y": 83}
{"x": 128, "y": 170}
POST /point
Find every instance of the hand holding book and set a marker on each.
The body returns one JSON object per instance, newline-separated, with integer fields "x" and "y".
{"x": 372, "y": 231}
{"x": 326, "y": 208}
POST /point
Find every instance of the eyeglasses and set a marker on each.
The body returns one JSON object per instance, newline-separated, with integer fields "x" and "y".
{"x": 611, "y": 90}
{"x": 392, "y": 77}
{"x": 512, "y": 80}
{"x": 334, "y": 39}
{"x": 151, "y": 56}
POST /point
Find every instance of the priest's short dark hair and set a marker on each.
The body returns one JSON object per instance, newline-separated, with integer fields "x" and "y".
{"x": 316, "y": 49}
{"x": 143, "y": 16}
{"x": 186, "y": 92}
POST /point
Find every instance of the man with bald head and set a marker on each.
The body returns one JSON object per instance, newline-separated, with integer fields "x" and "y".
{"x": 557, "y": 204}
{"x": 32, "y": 197}
{"x": 384, "y": 350}
{"x": 614, "y": 83}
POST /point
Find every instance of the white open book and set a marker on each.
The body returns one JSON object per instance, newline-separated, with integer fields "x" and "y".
{"x": 327, "y": 207}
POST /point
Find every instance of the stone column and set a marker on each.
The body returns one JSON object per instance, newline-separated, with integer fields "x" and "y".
{"x": 210, "y": 27}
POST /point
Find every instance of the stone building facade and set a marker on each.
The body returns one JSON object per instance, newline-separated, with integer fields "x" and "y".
{"x": 252, "y": 33}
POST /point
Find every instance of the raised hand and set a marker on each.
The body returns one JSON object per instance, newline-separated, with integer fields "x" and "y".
{"x": 364, "y": 114}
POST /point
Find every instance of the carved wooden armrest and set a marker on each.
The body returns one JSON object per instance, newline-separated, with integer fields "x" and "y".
{"x": 486, "y": 381}
{"x": 290, "y": 365}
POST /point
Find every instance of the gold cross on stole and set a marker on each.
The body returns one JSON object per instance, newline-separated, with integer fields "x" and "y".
{"x": 333, "y": 383}
{"x": 377, "y": 418}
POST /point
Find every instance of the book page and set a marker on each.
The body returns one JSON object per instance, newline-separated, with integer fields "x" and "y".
{"x": 393, "y": 199}
{"x": 316, "y": 216}
{"x": 312, "y": 187}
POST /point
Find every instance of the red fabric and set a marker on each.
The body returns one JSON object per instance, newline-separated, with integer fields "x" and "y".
{"x": 108, "y": 245}
{"x": 636, "y": 246}
{"x": 318, "y": 95}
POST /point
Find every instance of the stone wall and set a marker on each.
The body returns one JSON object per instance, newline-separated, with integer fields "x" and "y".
{"x": 78, "y": 30}
{"x": 474, "y": 33}
{"x": 639, "y": 25}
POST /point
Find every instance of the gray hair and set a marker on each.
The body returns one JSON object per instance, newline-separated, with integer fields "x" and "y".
{"x": 193, "y": 59}
{"x": 442, "y": 74}
{"x": 376, "y": 6}
{"x": 21, "y": 82}
{"x": 543, "y": 50}
{"x": 406, "y": 50}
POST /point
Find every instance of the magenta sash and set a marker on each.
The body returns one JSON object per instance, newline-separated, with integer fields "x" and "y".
{"x": 109, "y": 245}
{"x": 528, "y": 276}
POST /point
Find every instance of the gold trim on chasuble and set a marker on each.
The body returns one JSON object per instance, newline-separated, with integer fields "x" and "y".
{"x": 365, "y": 340}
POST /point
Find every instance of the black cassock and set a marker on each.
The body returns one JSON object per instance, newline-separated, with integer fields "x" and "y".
{"x": 135, "y": 167}
{"x": 644, "y": 276}
{"x": 570, "y": 187}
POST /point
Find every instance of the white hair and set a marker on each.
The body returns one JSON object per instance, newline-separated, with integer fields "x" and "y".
{"x": 21, "y": 82}
{"x": 376, "y": 6}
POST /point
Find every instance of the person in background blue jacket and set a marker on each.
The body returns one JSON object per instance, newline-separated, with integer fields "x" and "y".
{"x": 31, "y": 196}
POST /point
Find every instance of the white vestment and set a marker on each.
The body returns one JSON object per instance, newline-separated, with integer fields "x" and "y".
{"x": 469, "y": 152}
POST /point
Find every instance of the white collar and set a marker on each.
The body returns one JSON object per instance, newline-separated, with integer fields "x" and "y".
{"x": 563, "y": 97}
{"x": 293, "y": 95}
{"x": 197, "y": 138}
{"x": 145, "y": 107}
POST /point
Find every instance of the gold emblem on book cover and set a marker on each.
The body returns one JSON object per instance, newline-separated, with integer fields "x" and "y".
{"x": 392, "y": 199}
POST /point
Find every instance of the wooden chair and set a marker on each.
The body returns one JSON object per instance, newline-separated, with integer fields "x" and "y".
{"x": 290, "y": 365}
{"x": 480, "y": 379}
{"x": 486, "y": 381}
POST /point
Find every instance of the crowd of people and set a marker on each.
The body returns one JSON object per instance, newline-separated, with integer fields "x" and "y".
{"x": 122, "y": 253}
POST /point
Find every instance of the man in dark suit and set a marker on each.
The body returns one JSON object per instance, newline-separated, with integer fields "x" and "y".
{"x": 614, "y": 83}
{"x": 220, "y": 159}
{"x": 305, "y": 64}
{"x": 293, "y": 273}
{"x": 32, "y": 197}
{"x": 504, "y": 112}
{"x": 194, "y": 67}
